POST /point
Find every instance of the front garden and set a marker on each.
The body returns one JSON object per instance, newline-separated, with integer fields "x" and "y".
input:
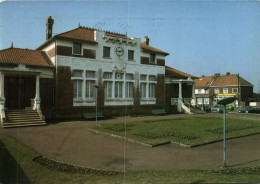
{"x": 17, "y": 165}
{"x": 190, "y": 131}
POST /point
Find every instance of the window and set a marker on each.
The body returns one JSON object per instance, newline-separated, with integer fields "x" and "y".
{"x": 199, "y": 91}
{"x": 152, "y": 58}
{"x": 151, "y": 90}
{"x": 129, "y": 76}
{"x": 216, "y": 91}
{"x": 152, "y": 78}
{"x": 129, "y": 90}
{"x": 206, "y": 91}
{"x": 225, "y": 90}
{"x": 118, "y": 89}
{"x": 76, "y": 48}
{"x": 108, "y": 89}
{"x": 77, "y": 73}
{"x": 234, "y": 90}
{"x": 119, "y": 75}
{"x": 90, "y": 90}
{"x": 143, "y": 90}
{"x": 106, "y": 52}
{"x": 77, "y": 88}
{"x": 143, "y": 77}
{"x": 107, "y": 75}
{"x": 90, "y": 74}
{"x": 130, "y": 55}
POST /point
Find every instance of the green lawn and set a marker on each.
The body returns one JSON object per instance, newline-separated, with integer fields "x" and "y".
{"x": 16, "y": 166}
{"x": 190, "y": 131}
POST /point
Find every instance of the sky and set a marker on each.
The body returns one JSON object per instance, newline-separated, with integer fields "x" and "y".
{"x": 202, "y": 37}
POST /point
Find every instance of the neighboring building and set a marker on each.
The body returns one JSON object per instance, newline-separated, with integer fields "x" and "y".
{"x": 180, "y": 90}
{"x": 202, "y": 86}
{"x": 214, "y": 88}
{"x": 127, "y": 73}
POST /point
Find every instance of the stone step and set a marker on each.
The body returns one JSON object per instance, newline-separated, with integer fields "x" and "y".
{"x": 12, "y": 125}
{"x": 22, "y": 118}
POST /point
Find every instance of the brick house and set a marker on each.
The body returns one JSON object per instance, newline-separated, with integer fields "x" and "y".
{"x": 69, "y": 69}
{"x": 211, "y": 89}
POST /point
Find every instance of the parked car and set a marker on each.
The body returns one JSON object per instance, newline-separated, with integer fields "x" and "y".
{"x": 205, "y": 107}
{"x": 249, "y": 109}
{"x": 229, "y": 107}
{"x": 216, "y": 108}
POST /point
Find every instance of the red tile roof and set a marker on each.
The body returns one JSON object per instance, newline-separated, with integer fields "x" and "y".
{"x": 176, "y": 73}
{"x": 204, "y": 81}
{"x": 152, "y": 49}
{"x": 79, "y": 33}
{"x": 230, "y": 80}
{"x": 24, "y": 56}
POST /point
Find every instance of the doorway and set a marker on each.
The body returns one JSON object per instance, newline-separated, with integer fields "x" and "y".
{"x": 19, "y": 91}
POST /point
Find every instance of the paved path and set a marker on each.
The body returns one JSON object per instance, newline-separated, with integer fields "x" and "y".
{"x": 75, "y": 143}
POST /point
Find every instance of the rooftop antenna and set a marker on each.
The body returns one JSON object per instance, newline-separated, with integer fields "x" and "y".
{"x": 12, "y": 45}
{"x": 79, "y": 24}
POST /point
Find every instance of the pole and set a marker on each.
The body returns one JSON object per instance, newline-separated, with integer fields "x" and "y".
{"x": 224, "y": 138}
{"x": 96, "y": 106}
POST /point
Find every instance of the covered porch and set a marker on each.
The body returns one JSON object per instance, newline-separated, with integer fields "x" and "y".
{"x": 22, "y": 72}
{"x": 180, "y": 90}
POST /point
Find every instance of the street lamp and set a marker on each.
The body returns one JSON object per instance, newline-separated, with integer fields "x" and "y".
{"x": 96, "y": 86}
{"x": 224, "y": 102}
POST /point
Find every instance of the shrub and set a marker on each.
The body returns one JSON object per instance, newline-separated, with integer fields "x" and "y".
{"x": 119, "y": 127}
{"x": 230, "y": 129}
{"x": 156, "y": 135}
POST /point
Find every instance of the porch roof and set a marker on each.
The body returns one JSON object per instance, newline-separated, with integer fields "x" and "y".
{"x": 173, "y": 73}
{"x": 24, "y": 56}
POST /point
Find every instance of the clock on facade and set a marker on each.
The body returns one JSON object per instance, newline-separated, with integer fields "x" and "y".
{"x": 119, "y": 51}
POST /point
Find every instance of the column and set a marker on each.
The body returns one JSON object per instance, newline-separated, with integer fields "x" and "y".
{"x": 37, "y": 101}
{"x": 37, "y": 95}
{"x": 180, "y": 98}
{"x": 2, "y": 86}
{"x": 193, "y": 101}
{"x": 180, "y": 90}
{"x": 2, "y": 99}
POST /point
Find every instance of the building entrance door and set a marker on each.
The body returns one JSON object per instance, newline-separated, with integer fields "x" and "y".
{"x": 19, "y": 91}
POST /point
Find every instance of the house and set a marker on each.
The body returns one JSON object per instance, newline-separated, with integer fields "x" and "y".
{"x": 180, "y": 90}
{"x": 65, "y": 73}
{"x": 211, "y": 89}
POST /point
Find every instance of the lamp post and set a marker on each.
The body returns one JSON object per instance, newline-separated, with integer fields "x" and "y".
{"x": 224, "y": 102}
{"x": 96, "y": 86}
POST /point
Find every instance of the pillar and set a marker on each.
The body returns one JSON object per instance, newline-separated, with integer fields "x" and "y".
{"x": 2, "y": 86}
{"x": 193, "y": 101}
{"x": 180, "y": 90}
{"x": 37, "y": 94}
{"x": 36, "y": 102}
{"x": 2, "y": 99}
{"x": 180, "y": 98}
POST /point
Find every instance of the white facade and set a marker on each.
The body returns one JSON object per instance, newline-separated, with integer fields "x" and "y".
{"x": 118, "y": 66}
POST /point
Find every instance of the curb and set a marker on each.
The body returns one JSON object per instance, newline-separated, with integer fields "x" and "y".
{"x": 69, "y": 168}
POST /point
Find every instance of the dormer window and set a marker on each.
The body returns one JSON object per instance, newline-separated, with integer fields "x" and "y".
{"x": 76, "y": 48}
{"x": 152, "y": 58}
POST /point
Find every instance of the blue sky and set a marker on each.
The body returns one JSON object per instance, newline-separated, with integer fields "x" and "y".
{"x": 202, "y": 37}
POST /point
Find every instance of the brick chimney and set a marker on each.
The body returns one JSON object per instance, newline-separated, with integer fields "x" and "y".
{"x": 49, "y": 24}
{"x": 146, "y": 40}
{"x": 228, "y": 74}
